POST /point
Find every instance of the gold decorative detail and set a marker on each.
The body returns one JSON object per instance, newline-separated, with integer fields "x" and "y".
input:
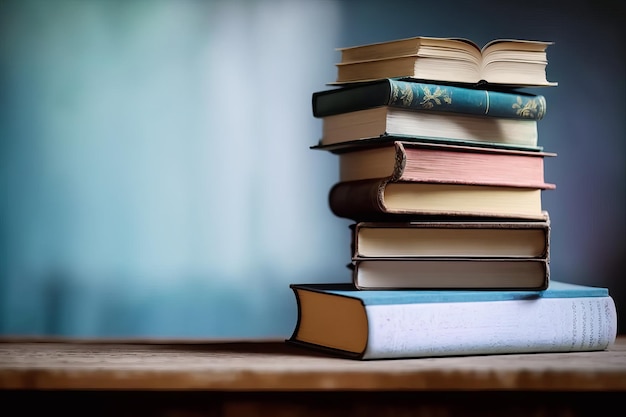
{"x": 528, "y": 109}
{"x": 437, "y": 97}
{"x": 403, "y": 94}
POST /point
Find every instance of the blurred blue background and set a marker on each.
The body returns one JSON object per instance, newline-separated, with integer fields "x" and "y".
{"x": 156, "y": 178}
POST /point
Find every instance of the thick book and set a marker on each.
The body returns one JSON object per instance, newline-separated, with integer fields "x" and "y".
{"x": 384, "y": 200}
{"x": 340, "y": 320}
{"x": 421, "y": 96}
{"x": 385, "y": 121}
{"x": 440, "y": 163}
{"x": 450, "y": 273}
{"x": 451, "y": 238}
{"x": 503, "y": 62}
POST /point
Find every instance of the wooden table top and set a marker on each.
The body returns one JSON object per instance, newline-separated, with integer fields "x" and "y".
{"x": 272, "y": 365}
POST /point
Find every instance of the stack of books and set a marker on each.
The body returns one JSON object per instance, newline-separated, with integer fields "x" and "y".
{"x": 442, "y": 173}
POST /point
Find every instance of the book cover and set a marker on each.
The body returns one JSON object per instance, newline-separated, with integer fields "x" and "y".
{"x": 451, "y": 238}
{"x": 421, "y": 96}
{"x": 366, "y": 325}
{"x": 384, "y": 200}
{"x": 440, "y": 163}
{"x": 353, "y": 144}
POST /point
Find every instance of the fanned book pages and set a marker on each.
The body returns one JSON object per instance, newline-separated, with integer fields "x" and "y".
{"x": 340, "y": 320}
{"x": 441, "y": 163}
{"x": 504, "y": 62}
{"x": 420, "y": 96}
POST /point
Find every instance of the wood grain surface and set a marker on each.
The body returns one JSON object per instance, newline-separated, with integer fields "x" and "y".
{"x": 272, "y": 365}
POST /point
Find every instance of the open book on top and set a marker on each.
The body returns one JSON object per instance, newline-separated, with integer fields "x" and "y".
{"x": 506, "y": 62}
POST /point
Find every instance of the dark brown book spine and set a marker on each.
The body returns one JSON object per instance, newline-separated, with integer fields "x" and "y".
{"x": 357, "y": 199}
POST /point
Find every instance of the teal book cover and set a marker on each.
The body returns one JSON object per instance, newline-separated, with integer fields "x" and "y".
{"x": 556, "y": 289}
{"x": 413, "y": 94}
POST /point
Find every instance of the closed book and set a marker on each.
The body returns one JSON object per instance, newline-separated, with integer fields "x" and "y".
{"x": 421, "y": 96}
{"x": 353, "y": 144}
{"x": 386, "y": 121}
{"x": 341, "y": 320}
{"x": 502, "y": 62}
{"x": 451, "y": 238}
{"x": 384, "y": 200}
{"x": 440, "y": 163}
{"x": 450, "y": 273}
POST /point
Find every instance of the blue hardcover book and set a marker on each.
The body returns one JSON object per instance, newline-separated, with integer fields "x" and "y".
{"x": 386, "y": 324}
{"x": 421, "y": 96}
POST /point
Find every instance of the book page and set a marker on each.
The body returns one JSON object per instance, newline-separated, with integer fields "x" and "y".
{"x": 515, "y": 44}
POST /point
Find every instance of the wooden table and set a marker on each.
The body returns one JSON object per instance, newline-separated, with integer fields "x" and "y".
{"x": 232, "y": 378}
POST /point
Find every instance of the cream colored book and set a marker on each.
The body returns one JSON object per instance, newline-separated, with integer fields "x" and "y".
{"x": 387, "y": 121}
{"x": 510, "y": 62}
{"x": 383, "y": 199}
{"x": 451, "y": 238}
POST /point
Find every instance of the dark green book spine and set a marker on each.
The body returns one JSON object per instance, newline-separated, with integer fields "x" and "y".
{"x": 429, "y": 97}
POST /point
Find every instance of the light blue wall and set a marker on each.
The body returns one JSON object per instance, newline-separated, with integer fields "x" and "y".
{"x": 155, "y": 172}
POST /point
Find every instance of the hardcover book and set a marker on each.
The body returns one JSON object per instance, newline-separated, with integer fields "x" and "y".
{"x": 385, "y": 121}
{"x": 450, "y": 273}
{"x": 384, "y": 200}
{"x": 420, "y": 96}
{"x": 440, "y": 163}
{"x": 507, "y": 62}
{"x": 341, "y": 320}
{"x": 451, "y": 238}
